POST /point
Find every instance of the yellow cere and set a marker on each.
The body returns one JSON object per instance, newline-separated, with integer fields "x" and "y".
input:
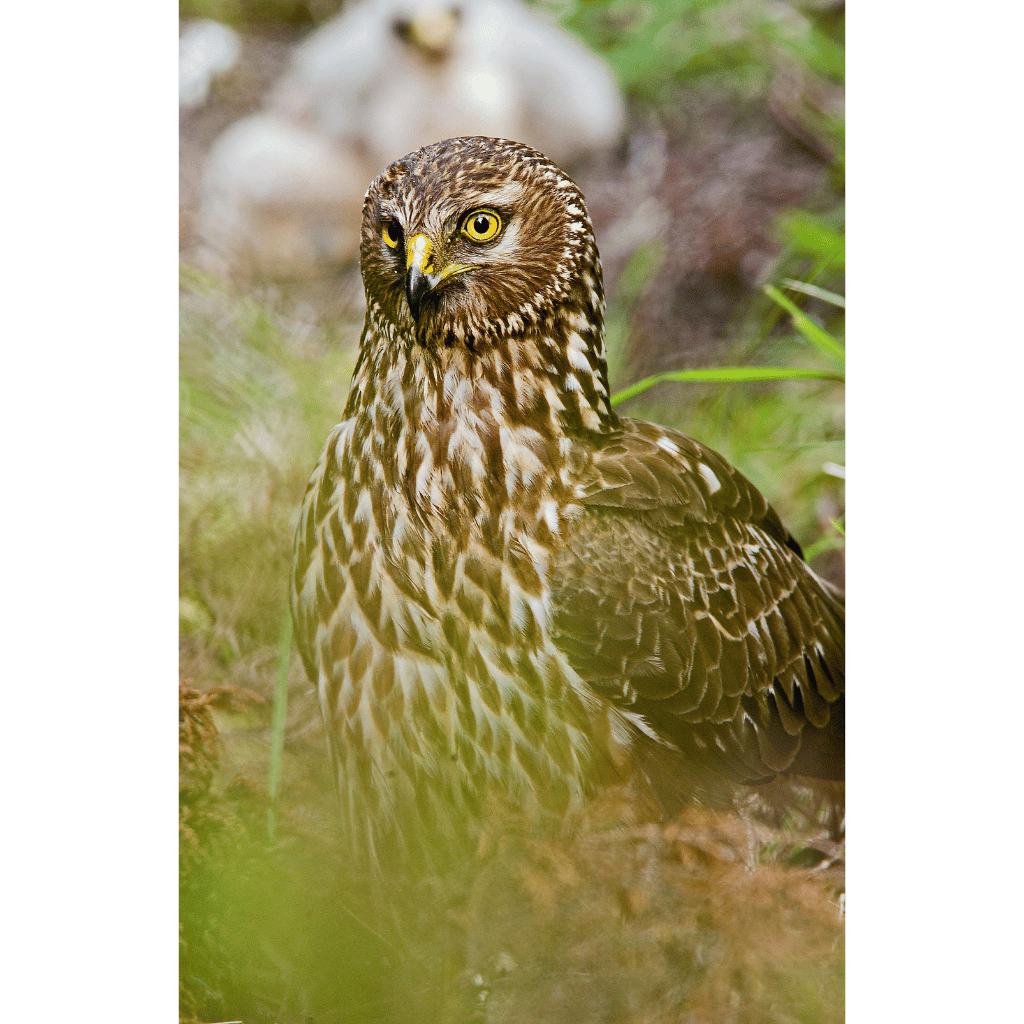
{"x": 390, "y": 235}
{"x": 481, "y": 225}
{"x": 420, "y": 252}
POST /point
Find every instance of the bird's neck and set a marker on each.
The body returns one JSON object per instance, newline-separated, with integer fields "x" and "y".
{"x": 480, "y": 430}
{"x": 552, "y": 376}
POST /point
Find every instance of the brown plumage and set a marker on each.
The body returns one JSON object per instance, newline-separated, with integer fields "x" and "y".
{"x": 499, "y": 584}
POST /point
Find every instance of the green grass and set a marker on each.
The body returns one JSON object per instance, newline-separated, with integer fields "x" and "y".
{"x": 260, "y": 388}
{"x": 262, "y": 383}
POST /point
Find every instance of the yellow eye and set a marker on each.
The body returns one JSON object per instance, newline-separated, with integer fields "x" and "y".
{"x": 481, "y": 225}
{"x": 391, "y": 232}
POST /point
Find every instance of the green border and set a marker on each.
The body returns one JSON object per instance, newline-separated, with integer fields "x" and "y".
{"x": 90, "y": 491}
{"x": 932, "y": 578}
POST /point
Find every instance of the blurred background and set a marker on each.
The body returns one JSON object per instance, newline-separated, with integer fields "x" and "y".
{"x": 708, "y": 138}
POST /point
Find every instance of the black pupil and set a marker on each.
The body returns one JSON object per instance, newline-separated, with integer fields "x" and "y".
{"x": 481, "y": 224}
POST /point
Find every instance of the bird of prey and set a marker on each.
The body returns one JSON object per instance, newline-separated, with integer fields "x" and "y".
{"x": 499, "y": 584}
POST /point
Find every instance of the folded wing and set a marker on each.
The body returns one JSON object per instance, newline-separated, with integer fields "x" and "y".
{"x": 682, "y": 599}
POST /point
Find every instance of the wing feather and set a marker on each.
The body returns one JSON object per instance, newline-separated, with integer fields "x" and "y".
{"x": 681, "y": 597}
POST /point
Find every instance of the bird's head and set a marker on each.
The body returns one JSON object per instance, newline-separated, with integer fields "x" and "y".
{"x": 479, "y": 252}
{"x": 471, "y": 240}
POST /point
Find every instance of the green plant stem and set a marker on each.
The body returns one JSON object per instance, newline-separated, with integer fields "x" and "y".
{"x": 724, "y": 375}
{"x": 819, "y": 293}
{"x": 279, "y": 713}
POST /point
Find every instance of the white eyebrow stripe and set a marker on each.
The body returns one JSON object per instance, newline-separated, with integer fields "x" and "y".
{"x": 508, "y": 195}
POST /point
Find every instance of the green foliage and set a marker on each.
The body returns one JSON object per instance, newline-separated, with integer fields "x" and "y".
{"x": 780, "y": 434}
{"x": 280, "y": 714}
{"x": 722, "y": 375}
{"x": 785, "y": 435}
{"x": 261, "y": 387}
{"x": 653, "y": 45}
{"x": 813, "y": 236}
{"x": 816, "y": 336}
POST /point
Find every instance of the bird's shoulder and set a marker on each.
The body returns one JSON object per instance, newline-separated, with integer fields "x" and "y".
{"x": 666, "y": 480}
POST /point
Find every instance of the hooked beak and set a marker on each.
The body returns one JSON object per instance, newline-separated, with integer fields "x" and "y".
{"x": 421, "y": 277}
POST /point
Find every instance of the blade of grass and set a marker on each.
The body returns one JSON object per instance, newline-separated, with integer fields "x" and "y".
{"x": 814, "y": 290}
{"x": 723, "y": 375}
{"x": 279, "y": 714}
{"x": 815, "y": 335}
